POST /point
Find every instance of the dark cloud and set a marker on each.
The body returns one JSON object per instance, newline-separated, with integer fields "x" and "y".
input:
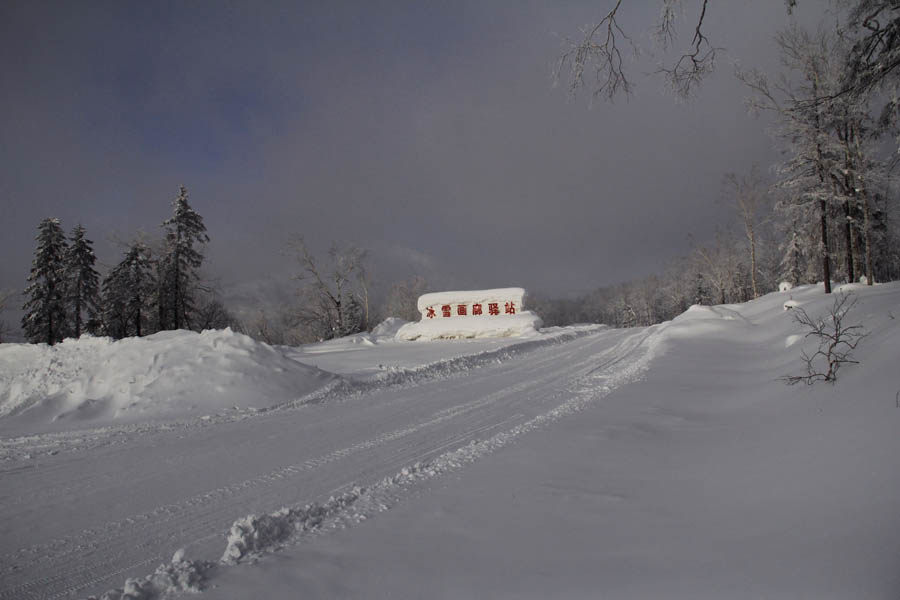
{"x": 426, "y": 131}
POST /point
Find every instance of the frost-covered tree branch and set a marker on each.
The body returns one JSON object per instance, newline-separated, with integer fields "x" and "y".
{"x": 598, "y": 51}
{"x": 595, "y": 61}
{"x": 691, "y": 67}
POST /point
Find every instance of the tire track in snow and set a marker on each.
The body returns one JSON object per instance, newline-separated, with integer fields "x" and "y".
{"x": 151, "y": 518}
{"x": 342, "y": 388}
{"x": 292, "y": 525}
{"x": 142, "y": 526}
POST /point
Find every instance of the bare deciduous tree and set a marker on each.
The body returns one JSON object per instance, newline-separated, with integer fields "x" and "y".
{"x": 749, "y": 195}
{"x": 334, "y": 292}
{"x": 401, "y": 299}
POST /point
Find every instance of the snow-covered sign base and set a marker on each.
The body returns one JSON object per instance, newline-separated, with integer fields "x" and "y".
{"x": 472, "y": 314}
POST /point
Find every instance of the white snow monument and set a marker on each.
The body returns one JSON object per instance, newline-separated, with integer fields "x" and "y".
{"x": 472, "y": 314}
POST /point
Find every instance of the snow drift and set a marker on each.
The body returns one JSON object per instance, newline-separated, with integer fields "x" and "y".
{"x": 167, "y": 374}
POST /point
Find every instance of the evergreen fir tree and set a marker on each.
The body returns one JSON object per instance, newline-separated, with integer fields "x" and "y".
{"x": 126, "y": 290}
{"x": 791, "y": 270}
{"x": 701, "y": 291}
{"x": 82, "y": 285}
{"x": 45, "y": 307}
{"x": 351, "y": 318}
{"x": 184, "y": 231}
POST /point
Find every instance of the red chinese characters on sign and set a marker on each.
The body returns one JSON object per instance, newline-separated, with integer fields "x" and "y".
{"x": 476, "y": 309}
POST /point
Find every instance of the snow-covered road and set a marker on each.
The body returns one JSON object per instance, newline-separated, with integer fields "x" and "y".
{"x": 103, "y": 506}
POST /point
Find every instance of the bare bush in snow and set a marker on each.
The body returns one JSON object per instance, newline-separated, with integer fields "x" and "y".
{"x": 837, "y": 342}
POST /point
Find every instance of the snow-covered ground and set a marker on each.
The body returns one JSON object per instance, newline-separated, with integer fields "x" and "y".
{"x": 666, "y": 462}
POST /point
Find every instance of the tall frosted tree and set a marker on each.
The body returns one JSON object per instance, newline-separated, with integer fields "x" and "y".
{"x": 185, "y": 233}
{"x": 792, "y": 262}
{"x": 82, "y": 283}
{"x": 45, "y": 305}
{"x": 127, "y": 289}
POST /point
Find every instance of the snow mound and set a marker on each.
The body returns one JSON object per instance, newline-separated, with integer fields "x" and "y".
{"x": 253, "y": 535}
{"x": 177, "y": 577}
{"x": 164, "y": 375}
{"x": 524, "y": 324}
{"x": 389, "y": 327}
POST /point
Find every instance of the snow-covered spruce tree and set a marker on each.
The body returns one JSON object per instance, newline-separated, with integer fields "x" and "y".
{"x": 185, "y": 231}
{"x": 163, "y": 299}
{"x": 792, "y": 261}
{"x": 82, "y": 284}
{"x": 127, "y": 289}
{"x": 45, "y": 305}
{"x": 352, "y": 317}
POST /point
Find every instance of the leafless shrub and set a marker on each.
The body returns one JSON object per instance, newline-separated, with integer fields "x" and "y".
{"x": 837, "y": 342}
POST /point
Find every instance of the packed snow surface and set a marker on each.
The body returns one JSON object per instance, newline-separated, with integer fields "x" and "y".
{"x": 661, "y": 462}
{"x": 523, "y": 324}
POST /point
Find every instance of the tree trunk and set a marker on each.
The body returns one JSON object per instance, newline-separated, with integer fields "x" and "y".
{"x": 177, "y": 296}
{"x": 78, "y": 311}
{"x": 137, "y": 319}
{"x": 848, "y": 236}
{"x": 826, "y": 262}
{"x": 753, "y": 261}
{"x": 867, "y": 228}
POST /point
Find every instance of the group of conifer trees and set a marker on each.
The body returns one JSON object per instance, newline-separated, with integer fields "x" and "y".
{"x": 143, "y": 293}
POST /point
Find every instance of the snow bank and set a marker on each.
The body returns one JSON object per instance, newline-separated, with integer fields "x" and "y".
{"x": 253, "y": 535}
{"x": 472, "y": 314}
{"x": 177, "y": 577}
{"x": 168, "y": 374}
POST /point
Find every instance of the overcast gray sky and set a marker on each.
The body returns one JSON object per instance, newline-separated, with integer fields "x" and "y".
{"x": 428, "y": 132}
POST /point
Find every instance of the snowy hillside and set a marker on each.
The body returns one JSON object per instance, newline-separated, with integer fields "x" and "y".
{"x": 663, "y": 462}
